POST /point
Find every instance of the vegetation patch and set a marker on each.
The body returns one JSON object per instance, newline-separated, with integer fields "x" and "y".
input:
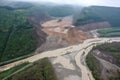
{"x": 16, "y": 34}
{"x": 114, "y": 32}
{"x": 93, "y": 65}
{"x": 61, "y": 11}
{"x": 87, "y": 17}
{"x": 98, "y": 14}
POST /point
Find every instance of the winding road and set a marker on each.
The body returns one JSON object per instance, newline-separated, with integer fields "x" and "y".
{"x": 83, "y": 49}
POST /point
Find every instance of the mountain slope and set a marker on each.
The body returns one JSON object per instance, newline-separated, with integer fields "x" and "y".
{"x": 99, "y": 14}
{"x": 16, "y": 34}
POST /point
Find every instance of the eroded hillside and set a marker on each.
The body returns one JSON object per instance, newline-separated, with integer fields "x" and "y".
{"x": 59, "y": 33}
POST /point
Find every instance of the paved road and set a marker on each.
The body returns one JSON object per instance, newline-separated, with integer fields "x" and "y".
{"x": 84, "y": 47}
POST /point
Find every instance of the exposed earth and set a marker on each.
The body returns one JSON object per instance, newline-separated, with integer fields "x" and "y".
{"x": 57, "y": 33}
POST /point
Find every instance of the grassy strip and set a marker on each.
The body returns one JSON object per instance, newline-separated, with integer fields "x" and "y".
{"x": 16, "y": 59}
{"x": 93, "y": 65}
{"x": 12, "y": 70}
{"x": 21, "y": 69}
{"x": 114, "y": 32}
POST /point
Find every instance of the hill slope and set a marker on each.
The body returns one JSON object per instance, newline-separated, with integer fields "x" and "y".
{"x": 104, "y": 61}
{"x": 99, "y": 14}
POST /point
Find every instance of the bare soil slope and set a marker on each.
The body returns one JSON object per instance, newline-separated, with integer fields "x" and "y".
{"x": 61, "y": 33}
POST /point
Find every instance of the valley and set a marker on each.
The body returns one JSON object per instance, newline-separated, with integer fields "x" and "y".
{"x": 58, "y": 42}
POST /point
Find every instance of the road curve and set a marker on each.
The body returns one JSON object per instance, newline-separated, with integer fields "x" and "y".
{"x": 86, "y": 74}
{"x": 87, "y": 47}
{"x": 84, "y": 47}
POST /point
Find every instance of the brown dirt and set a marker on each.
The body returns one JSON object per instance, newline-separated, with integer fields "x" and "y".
{"x": 57, "y": 33}
{"x": 65, "y": 30}
{"x": 75, "y": 36}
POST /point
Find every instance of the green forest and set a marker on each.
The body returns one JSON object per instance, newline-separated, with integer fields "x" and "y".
{"x": 87, "y": 17}
{"x": 16, "y": 34}
{"x": 98, "y": 14}
{"x": 114, "y": 32}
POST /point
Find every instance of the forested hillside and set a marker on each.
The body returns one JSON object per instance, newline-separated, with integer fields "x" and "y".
{"x": 98, "y": 14}
{"x": 16, "y": 34}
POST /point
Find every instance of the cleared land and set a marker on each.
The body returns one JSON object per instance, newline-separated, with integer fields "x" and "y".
{"x": 62, "y": 33}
